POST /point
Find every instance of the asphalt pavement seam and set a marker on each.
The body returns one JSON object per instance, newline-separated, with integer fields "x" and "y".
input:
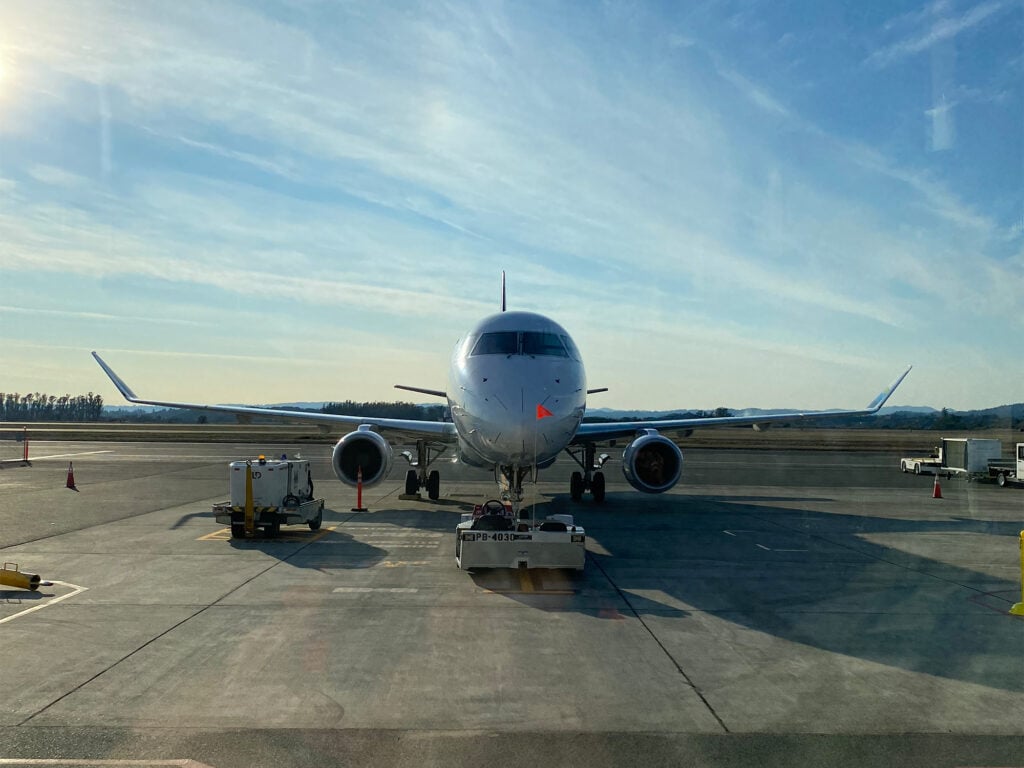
{"x": 660, "y": 644}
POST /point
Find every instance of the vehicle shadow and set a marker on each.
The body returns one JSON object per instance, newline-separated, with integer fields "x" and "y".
{"x": 328, "y": 548}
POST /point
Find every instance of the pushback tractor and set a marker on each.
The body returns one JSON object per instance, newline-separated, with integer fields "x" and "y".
{"x": 491, "y": 537}
{"x": 269, "y": 493}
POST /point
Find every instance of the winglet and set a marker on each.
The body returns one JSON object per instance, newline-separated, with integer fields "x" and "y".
{"x": 879, "y": 401}
{"x": 123, "y": 388}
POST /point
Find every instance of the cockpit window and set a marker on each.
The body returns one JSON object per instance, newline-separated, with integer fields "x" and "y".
{"x": 534, "y": 343}
{"x": 547, "y": 344}
{"x": 570, "y": 345}
{"x": 498, "y": 343}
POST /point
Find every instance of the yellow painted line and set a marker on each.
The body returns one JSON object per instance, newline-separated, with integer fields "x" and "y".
{"x": 224, "y": 534}
{"x": 77, "y": 591}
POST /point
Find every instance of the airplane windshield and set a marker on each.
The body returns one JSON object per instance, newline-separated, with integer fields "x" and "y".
{"x": 534, "y": 343}
{"x": 547, "y": 344}
{"x": 497, "y": 343}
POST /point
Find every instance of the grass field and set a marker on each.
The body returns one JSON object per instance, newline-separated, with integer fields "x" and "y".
{"x": 903, "y": 442}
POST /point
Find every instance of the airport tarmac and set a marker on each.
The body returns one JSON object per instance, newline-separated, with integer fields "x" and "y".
{"x": 776, "y": 608}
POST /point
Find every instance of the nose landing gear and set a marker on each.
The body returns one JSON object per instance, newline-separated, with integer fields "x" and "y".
{"x": 591, "y": 478}
{"x": 418, "y": 477}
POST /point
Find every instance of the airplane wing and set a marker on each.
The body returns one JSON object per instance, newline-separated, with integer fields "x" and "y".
{"x": 589, "y": 433}
{"x": 438, "y": 430}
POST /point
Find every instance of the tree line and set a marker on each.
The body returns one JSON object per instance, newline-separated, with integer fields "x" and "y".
{"x": 386, "y": 410}
{"x": 41, "y": 407}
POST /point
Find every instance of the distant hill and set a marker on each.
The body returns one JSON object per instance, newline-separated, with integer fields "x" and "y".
{"x": 889, "y": 417}
{"x": 612, "y": 413}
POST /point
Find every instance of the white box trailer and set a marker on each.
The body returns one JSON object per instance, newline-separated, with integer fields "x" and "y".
{"x": 970, "y": 455}
{"x": 282, "y": 494}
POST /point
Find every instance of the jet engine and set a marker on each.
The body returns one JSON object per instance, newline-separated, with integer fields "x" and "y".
{"x": 364, "y": 449}
{"x": 652, "y": 463}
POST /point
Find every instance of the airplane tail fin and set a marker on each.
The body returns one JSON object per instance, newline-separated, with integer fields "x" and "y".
{"x": 503, "y": 305}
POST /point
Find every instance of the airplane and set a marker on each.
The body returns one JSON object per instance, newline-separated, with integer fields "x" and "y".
{"x": 517, "y": 394}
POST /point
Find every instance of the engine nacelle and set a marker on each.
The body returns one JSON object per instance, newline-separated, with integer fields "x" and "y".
{"x": 362, "y": 448}
{"x": 652, "y": 463}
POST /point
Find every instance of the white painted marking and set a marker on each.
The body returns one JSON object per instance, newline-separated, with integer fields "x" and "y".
{"x": 393, "y": 590}
{"x": 728, "y": 533}
{"x": 47, "y": 604}
{"x": 47, "y": 761}
{"x": 65, "y": 456}
{"x": 766, "y": 549}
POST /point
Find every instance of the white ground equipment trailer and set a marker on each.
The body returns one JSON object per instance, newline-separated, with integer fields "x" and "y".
{"x": 269, "y": 493}
{"x": 970, "y": 456}
{"x": 491, "y": 537}
{"x": 967, "y": 456}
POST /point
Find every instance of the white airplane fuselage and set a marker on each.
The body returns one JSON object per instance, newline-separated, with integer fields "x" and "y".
{"x": 517, "y": 391}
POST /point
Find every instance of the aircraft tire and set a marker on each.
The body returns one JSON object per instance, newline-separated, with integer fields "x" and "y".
{"x": 434, "y": 485}
{"x": 412, "y": 482}
{"x": 576, "y": 486}
{"x": 597, "y": 487}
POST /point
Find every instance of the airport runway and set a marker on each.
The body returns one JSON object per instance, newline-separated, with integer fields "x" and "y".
{"x": 775, "y": 609}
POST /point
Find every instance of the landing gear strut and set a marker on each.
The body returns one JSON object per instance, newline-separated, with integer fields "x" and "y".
{"x": 426, "y": 454}
{"x": 510, "y": 478}
{"x": 591, "y": 478}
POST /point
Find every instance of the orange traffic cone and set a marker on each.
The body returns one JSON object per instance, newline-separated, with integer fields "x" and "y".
{"x": 936, "y": 489}
{"x": 359, "y": 491}
{"x": 71, "y": 477}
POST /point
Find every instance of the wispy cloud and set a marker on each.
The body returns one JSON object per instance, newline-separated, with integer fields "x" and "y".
{"x": 940, "y": 24}
{"x": 380, "y": 169}
{"x": 101, "y": 316}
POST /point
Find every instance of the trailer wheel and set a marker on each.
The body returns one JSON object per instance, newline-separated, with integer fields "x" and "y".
{"x": 238, "y": 530}
{"x": 1001, "y": 479}
{"x": 274, "y": 529}
{"x": 314, "y": 524}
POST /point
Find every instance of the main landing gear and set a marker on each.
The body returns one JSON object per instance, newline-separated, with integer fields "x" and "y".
{"x": 426, "y": 454}
{"x": 591, "y": 478}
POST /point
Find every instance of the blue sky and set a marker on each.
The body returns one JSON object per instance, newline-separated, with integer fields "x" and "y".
{"x": 755, "y": 204}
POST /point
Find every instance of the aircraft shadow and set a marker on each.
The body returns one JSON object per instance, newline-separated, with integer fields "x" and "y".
{"x": 821, "y": 579}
